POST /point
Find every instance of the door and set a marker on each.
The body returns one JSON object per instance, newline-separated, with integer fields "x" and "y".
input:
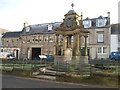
{"x": 35, "y": 53}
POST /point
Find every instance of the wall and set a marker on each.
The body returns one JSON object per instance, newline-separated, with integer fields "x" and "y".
{"x": 114, "y": 43}
{"x": 0, "y": 42}
{"x": 94, "y": 45}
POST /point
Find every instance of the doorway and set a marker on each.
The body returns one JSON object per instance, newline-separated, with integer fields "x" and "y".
{"x": 35, "y": 53}
{"x": 17, "y": 54}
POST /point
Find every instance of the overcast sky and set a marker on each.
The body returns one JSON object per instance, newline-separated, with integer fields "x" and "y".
{"x": 13, "y": 13}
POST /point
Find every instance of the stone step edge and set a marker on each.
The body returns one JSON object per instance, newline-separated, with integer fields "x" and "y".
{"x": 45, "y": 77}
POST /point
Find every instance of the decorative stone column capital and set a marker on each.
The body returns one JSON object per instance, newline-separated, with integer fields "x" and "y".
{"x": 86, "y": 36}
{"x": 57, "y": 34}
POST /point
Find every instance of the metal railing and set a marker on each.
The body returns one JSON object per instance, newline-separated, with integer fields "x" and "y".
{"x": 69, "y": 67}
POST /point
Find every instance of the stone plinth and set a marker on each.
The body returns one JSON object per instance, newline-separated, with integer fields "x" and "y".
{"x": 84, "y": 59}
{"x": 62, "y": 59}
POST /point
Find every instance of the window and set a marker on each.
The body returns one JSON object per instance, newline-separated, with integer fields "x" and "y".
{"x": 101, "y": 22}
{"x": 33, "y": 39}
{"x": 118, "y": 49}
{"x": 27, "y": 29}
{"x": 102, "y": 50}
{"x": 46, "y": 38}
{"x": 100, "y": 37}
{"x": 1, "y": 50}
{"x": 36, "y": 39}
{"x": 87, "y": 23}
{"x": 118, "y": 38}
{"x": 51, "y": 38}
{"x": 60, "y": 38}
{"x": 24, "y": 39}
{"x": 50, "y": 27}
{"x": 40, "y": 38}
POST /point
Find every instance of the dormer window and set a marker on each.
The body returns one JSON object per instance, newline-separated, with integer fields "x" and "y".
{"x": 101, "y": 21}
{"x": 27, "y": 29}
{"x": 50, "y": 27}
{"x": 87, "y": 23}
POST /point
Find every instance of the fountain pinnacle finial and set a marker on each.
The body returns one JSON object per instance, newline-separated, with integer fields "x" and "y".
{"x": 72, "y": 5}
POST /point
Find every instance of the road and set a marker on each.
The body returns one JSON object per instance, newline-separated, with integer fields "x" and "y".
{"x": 22, "y": 82}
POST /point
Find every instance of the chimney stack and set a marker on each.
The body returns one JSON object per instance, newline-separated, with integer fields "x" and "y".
{"x": 25, "y": 23}
{"x": 81, "y": 16}
{"x": 108, "y": 14}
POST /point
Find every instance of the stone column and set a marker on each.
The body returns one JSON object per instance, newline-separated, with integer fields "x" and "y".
{"x": 76, "y": 45}
{"x": 86, "y": 50}
{"x": 64, "y": 43}
{"x": 69, "y": 41}
{"x": 57, "y": 39}
{"x": 80, "y": 45}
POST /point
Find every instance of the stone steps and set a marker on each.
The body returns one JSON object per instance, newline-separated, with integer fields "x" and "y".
{"x": 48, "y": 73}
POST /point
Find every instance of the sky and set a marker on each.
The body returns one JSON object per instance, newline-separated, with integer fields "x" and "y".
{"x": 13, "y": 13}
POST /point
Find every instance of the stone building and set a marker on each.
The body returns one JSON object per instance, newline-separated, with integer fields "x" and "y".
{"x": 40, "y": 39}
{"x": 115, "y": 37}
{"x": 2, "y": 31}
{"x": 99, "y": 36}
{"x": 11, "y": 43}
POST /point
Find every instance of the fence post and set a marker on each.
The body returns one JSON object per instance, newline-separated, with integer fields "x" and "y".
{"x": 66, "y": 66}
{"x": 23, "y": 63}
{"x": 90, "y": 67}
{"x": 13, "y": 64}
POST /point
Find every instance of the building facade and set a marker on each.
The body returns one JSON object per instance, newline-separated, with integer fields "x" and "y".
{"x": 99, "y": 37}
{"x": 115, "y": 38}
{"x": 11, "y": 43}
{"x": 40, "y": 39}
{"x": 2, "y": 31}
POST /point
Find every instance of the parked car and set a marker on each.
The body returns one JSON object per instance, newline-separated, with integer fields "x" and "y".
{"x": 6, "y": 56}
{"x": 114, "y": 56}
{"x": 47, "y": 57}
{"x": 50, "y": 58}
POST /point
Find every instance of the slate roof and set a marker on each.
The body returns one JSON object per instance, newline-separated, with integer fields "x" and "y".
{"x": 115, "y": 28}
{"x": 40, "y": 29}
{"x": 11, "y": 35}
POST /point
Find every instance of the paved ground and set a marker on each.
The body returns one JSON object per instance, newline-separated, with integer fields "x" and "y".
{"x": 20, "y": 82}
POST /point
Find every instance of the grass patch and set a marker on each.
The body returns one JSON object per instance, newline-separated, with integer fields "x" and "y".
{"x": 21, "y": 66}
{"x": 18, "y": 72}
{"x": 99, "y": 79}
